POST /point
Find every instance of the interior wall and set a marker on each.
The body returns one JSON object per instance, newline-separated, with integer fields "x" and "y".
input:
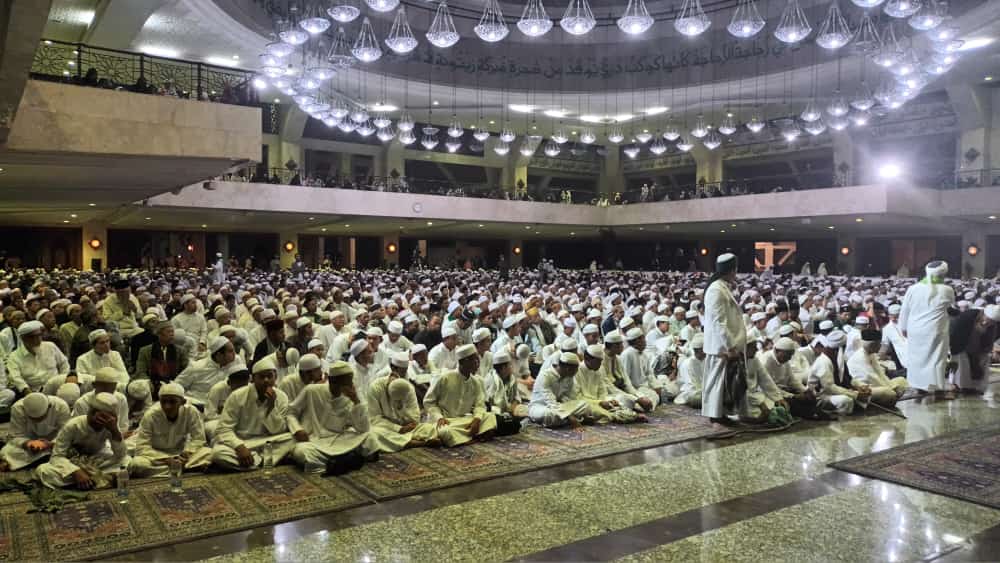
{"x": 41, "y": 247}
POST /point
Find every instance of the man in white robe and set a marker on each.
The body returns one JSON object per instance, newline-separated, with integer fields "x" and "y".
{"x": 923, "y": 321}
{"x": 625, "y": 393}
{"x": 443, "y": 355}
{"x": 640, "y": 373}
{"x": 725, "y": 336}
{"x": 554, "y": 399}
{"x": 691, "y": 374}
{"x": 777, "y": 363}
{"x": 310, "y": 370}
{"x": 35, "y": 421}
{"x": 192, "y": 323}
{"x": 101, "y": 356}
{"x": 500, "y": 387}
{"x": 394, "y": 340}
{"x": 456, "y": 402}
{"x": 199, "y": 377}
{"x": 362, "y": 362}
{"x": 421, "y": 370}
{"x": 972, "y": 343}
{"x": 96, "y": 438}
{"x": 237, "y": 376}
{"x": 866, "y": 371}
{"x": 253, "y": 417}
{"x": 831, "y": 396}
{"x": 762, "y": 395}
{"x": 31, "y": 365}
{"x": 892, "y": 336}
{"x": 105, "y": 382}
{"x": 171, "y": 430}
{"x": 395, "y": 412}
{"x": 593, "y": 386}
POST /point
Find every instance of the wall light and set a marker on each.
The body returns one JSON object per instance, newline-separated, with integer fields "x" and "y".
{"x": 391, "y": 248}
{"x": 190, "y": 248}
{"x": 289, "y": 246}
{"x": 516, "y": 250}
{"x": 94, "y": 243}
{"x": 845, "y": 250}
{"x": 972, "y": 250}
{"x": 703, "y": 252}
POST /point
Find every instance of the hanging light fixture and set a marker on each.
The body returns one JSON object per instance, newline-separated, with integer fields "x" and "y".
{"x": 793, "y": 25}
{"x": 314, "y": 21}
{"x": 658, "y": 147}
{"x": 338, "y": 108}
{"x": 291, "y": 33}
{"x": 615, "y": 134}
{"x": 501, "y": 148}
{"x": 863, "y": 100}
{"x": 452, "y": 145}
{"x": 756, "y": 123}
{"x": 692, "y": 19}
{"x": 442, "y": 32}
{"x": 631, "y": 151}
{"x": 671, "y": 132}
{"x": 405, "y": 122}
{"x": 866, "y": 38}
{"x": 491, "y": 27}
{"x": 838, "y": 123}
{"x": 834, "y": 33}
{"x": 340, "y": 51}
{"x": 859, "y": 118}
{"x": 746, "y": 21}
{"x": 407, "y": 137}
{"x": 359, "y": 114}
{"x": 636, "y": 19}
{"x": 385, "y": 134}
{"x": 330, "y": 121}
{"x": 907, "y": 65}
{"x": 815, "y": 127}
{"x": 643, "y": 136}
{"x": 366, "y": 128}
{"x": 811, "y": 113}
{"x": 534, "y": 20}
{"x": 712, "y": 141}
{"x": 929, "y": 16}
{"x": 837, "y": 107}
{"x": 587, "y": 136}
{"x": 344, "y": 13}
{"x": 455, "y": 127}
{"x": 480, "y": 134}
{"x": 790, "y": 131}
{"x": 507, "y": 134}
{"x": 867, "y": 3}
{"x": 684, "y": 144}
{"x": 578, "y": 19}
{"x": 366, "y": 47}
{"x": 559, "y": 135}
{"x": 528, "y": 148}
{"x": 551, "y": 148}
{"x": 346, "y": 125}
{"x": 400, "y": 38}
{"x": 429, "y": 140}
{"x": 901, "y": 8}
{"x": 279, "y": 49}
{"x": 728, "y": 125}
{"x": 700, "y": 128}
{"x": 381, "y": 120}
{"x": 382, "y": 5}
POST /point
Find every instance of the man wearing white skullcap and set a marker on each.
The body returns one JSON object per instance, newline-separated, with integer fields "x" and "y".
{"x": 192, "y": 323}
{"x": 482, "y": 341}
{"x": 199, "y": 377}
{"x": 330, "y": 425}
{"x": 253, "y": 417}
{"x": 95, "y": 435}
{"x": 456, "y": 402}
{"x": 867, "y": 371}
{"x": 395, "y": 341}
{"x": 691, "y": 373}
{"x": 34, "y": 422}
{"x": 554, "y": 399}
{"x": 500, "y": 387}
{"x": 972, "y": 336}
{"x": 854, "y": 334}
{"x": 893, "y": 339}
{"x": 363, "y": 364}
{"x": 237, "y": 376}
{"x": 34, "y": 361}
{"x": 101, "y": 356}
{"x": 443, "y": 355}
{"x": 777, "y": 363}
{"x": 421, "y": 370}
{"x": 725, "y": 336}
{"x": 593, "y": 386}
{"x": 106, "y": 382}
{"x": 171, "y": 429}
{"x": 637, "y": 368}
{"x": 923, "y": 320}
{"x": 310, "y": 370}
{"x": 832, "y": 397}
{"x": 395, "y": 415}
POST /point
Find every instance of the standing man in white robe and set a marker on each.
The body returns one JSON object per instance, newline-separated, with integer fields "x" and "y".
{"x": 34, "y": 423}
{"x": 170, "y": 430}
{"x": 923, "y": 321}
{"x": 725, "y": 336}
{"x": 456, "y": 402}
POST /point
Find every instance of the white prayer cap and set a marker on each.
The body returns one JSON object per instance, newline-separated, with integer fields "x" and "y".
{"x": 678, "y": 309}
{"x": 757, "y": 317}
{"x": 569, "y": 322}
{"x": 633, "y": 334}
{"x": 464, "y": 351}
{"x": 218, "y": 343}
{"x": 661, "y": 319}
{"x": 267, "y": 315}
{"x": 220, "y": 311}
{"x": 568, "y": 345}
{"x": 266, "y": 363}
{"x": 418, "y": 349}
{"x": 187, "y": 297}
{"x": 95, "y": 334}
{"x": 149, "y": 317}
{"x": 292, "y": 357}
{"x": 314, "y": 343}
{"x": 591, "y": 329}
{"x": 613, "y": 337}
{"x": 336, "y": 314}
{"x": 938, "y": 268}
{"x": 374, "y": 331}
{"x": 399, "y": 388}
{"x": 894, "y": 309}
{"x": 861, "y": 320}
{"x": 411, "y": 318}
{"x": 522, "y": 352}
{"x": 104, "y": 402}
{"x": 172, "y": 389}
{"x": 290, "y": 314}
{"x": 452, "y": 306}
{"x": 309, "y": 361}
{"x": 595, "y": 351}
{"x": 835, "y": 339}
{"x": 303, "y": 322}
{"x": 401, "y": 359}
{"x": 38, "y": 315}
{"x": 826, "y": 325}
{"x": 698, "y": 341}
{"x": 569, "y": 359}
{"x": 992, "y": 312}
{"x": 785, "y": 330}
{"x": 30, "y": 327}
{"x": 395, "y": 327}
{"x": 690, "y": 314}
{"x": 501, "y": 357}
{"x": 577, "y": 308}
{"x": 818, "y": 339}
{"x": 138, "y": 389}
{"x": 107, "y": 375}
{"x": 227, "y": 328}
{"x": 480, "y": 334}
{"x": 35, "y": 405}
{"x": 448, "y": 331}
{"x": 509, "y": 322}
{"x": 69, "y": 392}
{"x": 626, "y": 323}
{"x": 785, "y": 344}
{"x": 594, "y": 313}
{"x": 358, "y": 347}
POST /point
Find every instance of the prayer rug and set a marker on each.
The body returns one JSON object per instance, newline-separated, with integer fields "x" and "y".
{"x": 424, "y": 469}
{"x": 209, "y": 505}
{"x": 963, "y": 465}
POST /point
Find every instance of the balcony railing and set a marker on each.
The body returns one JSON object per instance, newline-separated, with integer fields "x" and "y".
{"x": 114, "y": 69}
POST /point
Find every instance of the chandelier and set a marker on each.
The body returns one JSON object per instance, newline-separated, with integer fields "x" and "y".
{"x": 615, "y": 134}
{"x": 700, "y": 128}
{"x": 340, "y": 51}
{"x": 429, "y": 140}
{"x": 587, "y": 136}
{"x": 712, "y": 141}
{"x": 867, "y": 3}
{"x": 442, "y": 32}
{"x": 507, "y": 134}
{"x": 385, "y": 134}
{"x": 400, "y": 38}
{"x": 631, "y": 151}
{"x": 344, "y": 13}
{"x": 866, "y": 38}
{"x": 756, "y": 123}
{"x": 452, "y": 145}
{"x": 480, "y": 134}
{"x": 670, "y": 132}
{"x": 501, "y": 148}
{"x": 643, "y": 136}
{"x": 455, "y": 128}
{"x": 559, "y": 136}
{"x": 366, "y": 128}
{"x": 279, "y": 49}
{"x": 810, "y": 114}
{"x": 863, "y": 100}
{"x": 658, "y": 147}
{"x": 578, "y": 19}
{"x": 728, "y": 125}
{"x": 366, "y": 47}
{"x": 746, "y": 21}
{"x": 793, "y": 25}
{"x": 838, "y": 107}
{"x": 406, "y": 137}
{"x": 834, "y": 33}
{"x": 291, "y": 33}
{"x": 347, "y": 126}
{"x": 534, "y": 20}
{"x": 692, "y": 20}
{"x": 314, "y": 23}
{"x": 381, "y": 120}
{"x": 838, "y": 123}
{"x": 901, "y": 8}
{"x": 382, "y": 5}
{"x": 684, "y": 144}
{"x": 551, "y": 148}
{"x": 636, "y": 19}
{"x": 491, "y": 27}
{"x": 815, "y": 127}
{"x": 527, "y": 148}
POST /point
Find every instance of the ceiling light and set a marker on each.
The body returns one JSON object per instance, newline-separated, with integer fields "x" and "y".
{"x": 348, "y": 225}
{"x": 636, "y": 18}
{"x": 722, "y": 230}
{"x": 492, "y": 122}
{"x": 556, "y": 112}
{"x": 442, "y": 32}
{"x": 831, "y": 227}
{"x": 480, "y": 226}
{"x": 65, "y": 220}
{"x": 859, "y": 220}
{"x": 435, "y": 103}
{"x": 160, "y": 51}
{"x": 277, "y": 100}
{"x": 623, "y": 117}
{"x": 976, "y": 43}
{"x": 491, "y": 27}
{"x": 382, "y": 106}
{"x": 92, "y": 205}
{"x": 578, "y": 19}
{"x": 521, "y": 108}
{"x": 72, "y": 215}
{"x": 692, "y": 20}
{"x": 1, "y": 170}
{"x": 312, "y": 218}
{"x": 771, "y": 229}
{"x": 992, "y": 217}
{"x": 430, "y": 223}
{"x": 746, "y": 21}
{"x": 220, "y": 61}
{"x": 889, "y": 170}
{"x": 534, "y": 20}
{"x": 47, "y": 42}
{"x": 572, "y": 234}
{"x": 656, "y": 110}
{"x": 323, "y": 229}
{"x": 149, "y": 218}
{"x": 204, "y": 226}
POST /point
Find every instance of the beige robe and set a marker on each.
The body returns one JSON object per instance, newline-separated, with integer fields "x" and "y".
{"x": 336, "y": 426}
{"x": 23, "y": 429}
{"x": 159, "y": 439}
{"x": 458, "y": 399}
{"x": 388, "y": 416}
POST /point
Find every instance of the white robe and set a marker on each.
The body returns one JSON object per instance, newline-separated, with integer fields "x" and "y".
{"x": 724, "y": 330}
{"x": 336, "y": 426}
{"x": 892, "y": 335}
{"x": 245, "y": 421}
{"x": 199, "y": 377}
{"x": 22, "y": 429}
{"x": 443, "y": 358}
{"x": 554, "y": 399}
{"x": 77, "y": 436}
{"x": 459, "y": 399}
{"x": 82, "y": 406}
{"x": 690, "y": 375}
{"x": 90, "y": 361}
{"x": 27, "y": 371}
{"x": 830, "y": 396}
{"x": 387, "y": 417}
{"x": 924, "y": 319}
{"x": 159, "y": 438}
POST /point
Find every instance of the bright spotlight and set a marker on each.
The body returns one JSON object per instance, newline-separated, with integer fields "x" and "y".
{"x": 889, "y": 171}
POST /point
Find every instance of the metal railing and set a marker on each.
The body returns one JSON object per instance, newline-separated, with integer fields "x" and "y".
{"x": 982, "y": 178}
{"x": 99, "y": 67}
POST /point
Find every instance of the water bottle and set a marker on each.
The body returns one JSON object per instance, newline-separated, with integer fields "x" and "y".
{"x": 176, "y": 471}
{"x": 268, "y": 453}
{"x": 122, "y": 481}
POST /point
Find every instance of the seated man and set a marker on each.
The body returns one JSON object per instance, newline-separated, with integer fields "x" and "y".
{"x": 330, "y": 425}
{"x": 691, "y": 372}
{"x": 626, "y": 395}
{"x": 88, "y": 450}
{"x": 776, "y": 362}
{"x": 100, "y": 356}
{"x": 500, "y": 388}
{"x": 202, "y": 374}
{"x": 456, "y": 402}
{"x": 253, "y": 417}
{"x": 139, "y": 396}
{"x": 762, "y": 394}
{"x": 310, "y": 370}
{"x": 34, "y": 423}
{"x": 162, "y": 361}
{"x": 637, "y": 369}
{"x": 105, "y": 381}
{"x": 867, "y": 372}
{"x": 554, "y": 399}
{"x": 236, "y": 377}
{"x": 593, "y": 386}
{"x": 832, "y": 397}
{"x": 170, "y": 430}
{"x": 394, "y": 410}
{"x": 31, "y": 365}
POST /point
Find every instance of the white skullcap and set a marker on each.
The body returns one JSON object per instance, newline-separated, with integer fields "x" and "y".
{"x": 399, "y": 388}
{"x": 336, "y": 314}
{"x": 785, "y": 344}
{"x": 395, "y": 327}
{"x": 826, "y": 325}
{"x": 266, "y": 363}
{"x": 35, "y": 405}
{"x": 992, "y": 313}
{"x": 448, "y": 331}
{"x": 292, "y": 357}
{"x": 613, "y": 337}
{"x": 401, "y": 359}
{"x": 138, "y": 389}
{"x": 309, "y": 362}
{"x": 894, "y": 309}
{"x": 509, "y": 322}
{"x": 418, "y": 349}
{"x": 302, "y": 322}
{"x": 568, "y": 345}
{"x": 661, "y": 319}
{"x": 480, "y": 334}
{"x": 757, "y": 317}
{"x": 314, "y": 343}
{"x": 38, "y": 315}
{"x": 104, "y": 402}
{"x": 501, "y": 357}
{"x": 633, "y": 334}
{"x": 569, "y": 359}
{"x": 691, "y": 314}
{"x": 107, "y": 375}
{"x": 452, "y": 306}
{"x": 186, "y": 297}
{"x": 30, "y": 327}
{"x": 569, "y": 322}
{"x": 95, "y": 334}
{"x": 172, "y": 389}
{"x": 595, "y": 351}
{"x": 218, "y": 343}
{"x": 938, "y": 268}
{"x": 678, "y": 309}
{"x": 835, "y": 339}
{"x": 698, "y": 341}
{"x": 522, "y": 352}
{"x": 723, "y": 258}
{"x": 464, "y": 351}
{"x": 626, "y": 323}
{"x": 785, "y": 330}
{"x": 227, "y": 328}
{"x": 591, "y": 329}
{"x": 861, "y": 320}
{"x": 358, "y": 347}
{"x": 69, "y": 392}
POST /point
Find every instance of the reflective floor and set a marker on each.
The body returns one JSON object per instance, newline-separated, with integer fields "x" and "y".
{"x": 766, "y": 497}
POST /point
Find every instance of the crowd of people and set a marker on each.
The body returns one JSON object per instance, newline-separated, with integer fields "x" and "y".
{"x": 168, "y": 369}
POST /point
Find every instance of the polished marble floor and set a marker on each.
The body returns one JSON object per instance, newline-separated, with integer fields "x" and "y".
{"x": 763, "y": 497}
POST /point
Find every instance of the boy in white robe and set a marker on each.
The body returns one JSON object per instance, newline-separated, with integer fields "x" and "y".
{"x": 34, "y": 423}
{"x": 310, "y": 370}
{"x": 626, "y": 394}
{"x": 96, "y": 437}
{"x": 554, "y": 399}
{"x": 831, "y": 396}
{"x": 500, "y": 387}
{"x": 640, "y": 373}
{"x": 456, "y": 402}
{"x": 593, "y": 386}
{"x": 171, "y": 429}
{"x": 690, "y": 373}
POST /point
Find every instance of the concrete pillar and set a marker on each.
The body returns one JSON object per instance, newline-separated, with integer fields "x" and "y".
{"x": 390, "y": 259}
{"x": 515, "y": 253}
{"x": 97, "y": 232}
{"x": 347, "y": 252}
{"x": 222, "y": 245}
{"x": 974, "y": 265}
{"x": 973, "y": 105}
{"x": 708, "y": 163}
{"x": 284, "y": 255}
{"x": 847, "y": 264}
{"x": 612, "y": 178}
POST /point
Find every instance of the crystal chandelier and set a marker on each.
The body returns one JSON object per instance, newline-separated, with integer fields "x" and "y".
{"x": 279, "y": 49}
{"x": 347, "y": 126}
{"x": 339, "y": 108}
{"x": 455, "y": 128}
{"x": 501, "y": 148}
{"x": 291, "y": 33}
{"x": 406, "y": 137}
{"x": 382, "y": 5}
{"x": 527, "y": 148}
{"x": 838, "y": 123}
{"x": 491, "y": 27}
{"x": 947, "y": 46}
{"x": 340, "y": 51}
{"x": 559, "y": 136}
{"x": 815, "y": 127}
{"x": 636, "y": 18}
{"x": 452, "y": 145}
{"x": 385, "y": 134}
{"x": 658, "y": 147}
{"x": 643, "y": 136}
{"x": 268, "y": 60}
{"x": 863, "y": 100}
{"x": 859, "y": 118}
{"x": 700, "y": 128}
{"x": 507, "y": 134}
{"x": 314, "y": 23}
{"x": 330, "y": 121}
{"x": 534, "y": 20}
{"x": 578, "y": 19}
{"x": 712, "y": 141}
{"x": 366, "y": 47}
{"x": 442, "y": 32}
{"x": 631, "y": 151}
{"x": 728, "y": 125}
{"x": 359, "y": 114}
{"x": 615, "y": 134}
{"x": 811, "y": 113}
{"x": 867, "y": 3}
{"x": 587, "y": 137}
{"x": 838, "y": 107}
{"x": 692, "y": 19}
{"x": 929, "y": 16}
{"x": 429, "y": 141}
{"x": 791, "y": 131}
{"x": 480, "y": 134}
{"x": 901, "y": 8}
{"x": 746, "y": 21}
{"x": 551, "y": 149}
{"x": 834, "y": 33}
{"x": 793, "y": 25}
{"x": 303, "y": 100}
{"x": 866, "y": 38}
{"x": 907, "y": 64}
{"x": 684, "y": 145}
{"x": 400, "y": 38}
{"x": 671, "y": 132}
{"x": 344, "y": 13}
{"x": 307, "y": 83}
{"x": 405, "y": 122}
{"x": 945, "y": 33}
{"x": 366, "y": 128}
{"x": 884, "y": 93}
{"x": 381, "y": 120}
{"x": 756, "y": 123}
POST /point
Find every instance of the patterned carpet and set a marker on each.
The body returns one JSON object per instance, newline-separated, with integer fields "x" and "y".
{"x": 216, "y": 504}
{"x": 964, "y": 465}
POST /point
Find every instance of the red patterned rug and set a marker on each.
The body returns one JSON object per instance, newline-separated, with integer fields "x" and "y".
{"x": 963, "y": 465}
